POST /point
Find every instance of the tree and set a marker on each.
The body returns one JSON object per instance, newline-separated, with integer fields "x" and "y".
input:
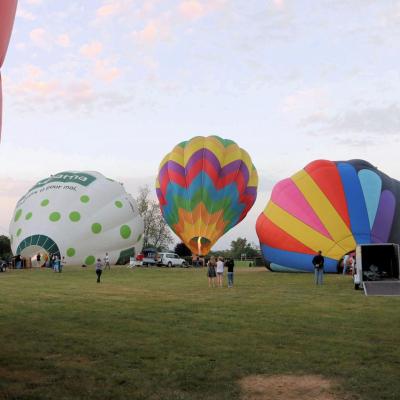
{"x": 5, "y": 247}
{"x": 241, "y": 246}
{"x": 156, "y": 230}
{"x": 182, "y": 250}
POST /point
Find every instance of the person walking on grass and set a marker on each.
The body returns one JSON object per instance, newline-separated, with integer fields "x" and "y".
{"x": 211, "y": 274}
{"x": 99, "y": 269}
{"x": 220, "y": 272}
{"x": 318, "y": 262}
{"x": 231, "y": 265}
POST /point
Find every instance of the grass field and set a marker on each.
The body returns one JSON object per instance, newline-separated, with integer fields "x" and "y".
{"x": 158, "y": 333}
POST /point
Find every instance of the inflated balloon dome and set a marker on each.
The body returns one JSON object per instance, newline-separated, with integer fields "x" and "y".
{"x": 205, "y": 187}
{"x": 328, "y": 206}
{"x": 79, "y": 215}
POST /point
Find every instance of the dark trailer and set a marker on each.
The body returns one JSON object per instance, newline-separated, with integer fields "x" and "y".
{"x": 378, "y": 269}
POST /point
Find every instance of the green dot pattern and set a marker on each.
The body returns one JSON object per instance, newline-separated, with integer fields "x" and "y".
{"x": 55, "y": 216}
{"x": 118, "y": 204}
{"x": 45, "y": 203}
{"x": 125, "y": 231}
{"x": 85, "y": 199}
{"x": 17, "y": 215}
{"x": 74, "y": 216}
{"x": 90, "y": 260}
{"x": 96, "y": 228}
{"x": 28, "y": 216}
{"x": 71, "y": 252}
{"x": 19, "y": 231}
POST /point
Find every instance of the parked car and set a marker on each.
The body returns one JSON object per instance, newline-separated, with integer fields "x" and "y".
{"x": 171, "y": 260}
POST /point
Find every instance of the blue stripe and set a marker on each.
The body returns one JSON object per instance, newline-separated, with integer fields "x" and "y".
{"x": 357, "y": 209}
{"x": 371, "y": 185}
{"x": 297, "y": 261}
{"x": 229, "y": 193}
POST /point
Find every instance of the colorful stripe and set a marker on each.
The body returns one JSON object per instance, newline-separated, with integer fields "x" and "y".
{"x": 327, "y": 206}
{"x": 205, "y": 186}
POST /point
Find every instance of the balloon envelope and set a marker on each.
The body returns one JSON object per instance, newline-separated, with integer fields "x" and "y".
{"x": 328, "y": 206}
{"x": 7, "y": 16}
{"x": 205, "y": 187}
{"x": 79, "y": 215}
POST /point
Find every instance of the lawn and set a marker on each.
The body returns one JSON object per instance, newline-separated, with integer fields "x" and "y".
{"x": 158, "y": 333}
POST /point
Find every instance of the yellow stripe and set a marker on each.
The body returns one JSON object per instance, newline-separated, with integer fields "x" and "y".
{"x": 325, "y": 211}
{"x": 298, "y": 229}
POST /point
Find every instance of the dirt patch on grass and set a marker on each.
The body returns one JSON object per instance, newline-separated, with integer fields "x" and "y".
{"x": 288, "y": 387}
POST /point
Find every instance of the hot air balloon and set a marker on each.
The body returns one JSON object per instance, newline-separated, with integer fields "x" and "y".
{"x": 7, "y": 15}
{"x": 330, "y": 206}
{"x": 205, "y": 186}
{"x": 79, "y": 215}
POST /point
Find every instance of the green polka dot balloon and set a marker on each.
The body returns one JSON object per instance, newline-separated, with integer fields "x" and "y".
{"x": 79, "y": 215}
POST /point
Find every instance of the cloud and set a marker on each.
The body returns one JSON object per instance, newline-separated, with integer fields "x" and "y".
{"x": 306, "y": 100}
{"x": 40, "y": 38}
{"x": 112, "y": 8}
{"x": 191, "y": 9}
{"x": 37, "y": 91}
{"x": 63, "y": 40}
{"x": 24, "y": 14}
{"x": 357, "y": 127}
{"x": 91, "y": 50}
{"x": 370, "y": 120}
{"x": 155, "y": 31}
{"x": 105, "y": 71}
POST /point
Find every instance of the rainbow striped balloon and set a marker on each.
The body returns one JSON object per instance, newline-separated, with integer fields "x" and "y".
{"x": 328, "y": 206}
{"x": 205, "y": 187}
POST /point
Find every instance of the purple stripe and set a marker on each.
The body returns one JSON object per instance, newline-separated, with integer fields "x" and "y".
{"x": 251, "y": 191}
{"x": 203, "y": 154}
{"x": 170, "y": 166}
{"x": 384, "y": 218}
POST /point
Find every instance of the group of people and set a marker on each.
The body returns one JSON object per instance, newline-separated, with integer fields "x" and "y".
{"x": 215, "y": 271}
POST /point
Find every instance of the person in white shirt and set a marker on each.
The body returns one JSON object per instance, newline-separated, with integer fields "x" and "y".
{"x": 220, "y": 272}
{"x": 107, "y": 262}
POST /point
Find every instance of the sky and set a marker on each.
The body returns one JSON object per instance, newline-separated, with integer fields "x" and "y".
{"x": 113, "y": 85}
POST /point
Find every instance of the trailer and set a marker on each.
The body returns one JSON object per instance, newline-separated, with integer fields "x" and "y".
{"x": 377, "y": 269}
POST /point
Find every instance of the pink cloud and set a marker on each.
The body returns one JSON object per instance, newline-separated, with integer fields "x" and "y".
{"x": 63, "y": 40}
{"x": 105, "y": 71}
{"x": 191, "y": 9}
{"x": 154, "y": 31}
{"x": 91, "y": 50}
{"x": 40, "y": 38}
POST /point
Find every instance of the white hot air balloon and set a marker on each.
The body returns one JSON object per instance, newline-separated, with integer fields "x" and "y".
{"x": 79, "y": 215}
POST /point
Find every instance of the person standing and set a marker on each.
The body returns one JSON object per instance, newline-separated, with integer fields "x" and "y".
{"x": 220, "y": 271}
{"x": 99, "y": 269}
{"x": 107, "y": 262}
{"x": 318, "y": 262}
{"x": 38, "y": 257}
{"x": 345, "y": 263}
{"x": 211, "y": 274}
{"x": 56, "y": 264}
{"x": 231, "y": 265}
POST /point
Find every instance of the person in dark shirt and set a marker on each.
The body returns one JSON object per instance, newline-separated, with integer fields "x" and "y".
{"x": 231, "y": 265}
{"x": 318, "y": 262}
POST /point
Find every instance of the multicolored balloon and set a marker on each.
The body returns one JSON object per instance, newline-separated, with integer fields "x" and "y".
{"x": 205, "y": 187}
{"x": 328, "y": 206}
{"x": 7, "y": 16}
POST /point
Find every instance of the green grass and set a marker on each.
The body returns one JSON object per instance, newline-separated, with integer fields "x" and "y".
{"x": 163, "y": 334}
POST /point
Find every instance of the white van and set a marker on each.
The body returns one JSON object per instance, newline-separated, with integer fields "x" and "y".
{"x": 171, "y": 260}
